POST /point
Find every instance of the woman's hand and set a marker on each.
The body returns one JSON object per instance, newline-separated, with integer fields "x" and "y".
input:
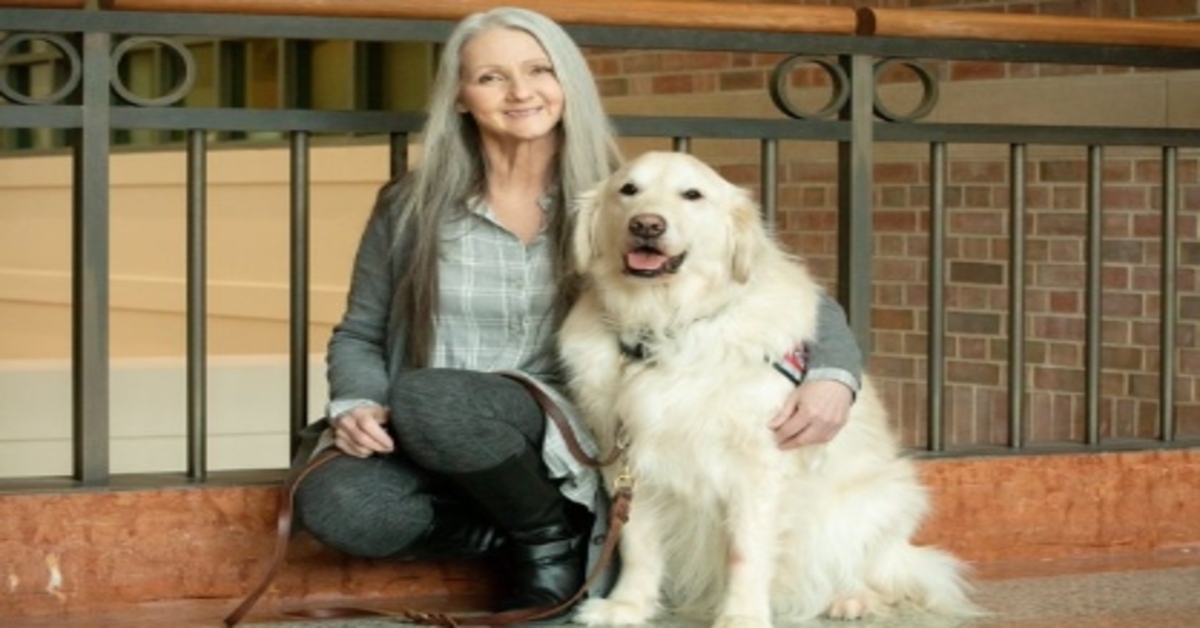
{"x": 360, "y": 432}
{"x": 813, "y": 414}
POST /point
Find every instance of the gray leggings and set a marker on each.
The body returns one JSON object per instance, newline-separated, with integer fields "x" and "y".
{"x": 443, "y": 421}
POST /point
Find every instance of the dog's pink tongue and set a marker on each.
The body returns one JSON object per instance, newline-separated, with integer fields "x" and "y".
{"x": 645, "y": 260}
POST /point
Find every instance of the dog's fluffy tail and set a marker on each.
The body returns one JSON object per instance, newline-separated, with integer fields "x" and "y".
{"x": 926, "y": 578}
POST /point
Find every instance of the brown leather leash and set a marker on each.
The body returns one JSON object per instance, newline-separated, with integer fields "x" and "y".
{"x": 618, "y": 515}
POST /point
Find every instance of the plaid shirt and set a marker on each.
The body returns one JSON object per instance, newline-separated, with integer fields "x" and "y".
{"x": 497, "y": 294}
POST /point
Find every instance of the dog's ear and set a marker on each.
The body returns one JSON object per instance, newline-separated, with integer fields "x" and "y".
{"x": 749, "y": 236}
{"x": 583, "y": 231}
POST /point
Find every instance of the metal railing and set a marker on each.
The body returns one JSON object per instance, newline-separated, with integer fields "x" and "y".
{"x": 847, "y": 46}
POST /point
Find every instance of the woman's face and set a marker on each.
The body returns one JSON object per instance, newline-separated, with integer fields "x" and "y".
{"x": 509, "y": 87}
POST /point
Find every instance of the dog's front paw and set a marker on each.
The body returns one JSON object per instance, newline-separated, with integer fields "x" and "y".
{"x": 613, "y": 612}
{"x": 853, "y": 606}
{"x": 742, "y": 621}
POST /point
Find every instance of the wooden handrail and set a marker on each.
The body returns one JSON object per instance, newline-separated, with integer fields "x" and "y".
{"x": 43, "y": 4}
{"x": 1026, "y": 28}
{"x": 704, "y": 14}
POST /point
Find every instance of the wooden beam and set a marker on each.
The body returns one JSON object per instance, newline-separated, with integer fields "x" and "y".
{"x": 1026, "y": 28}
{"x": 704, "y": 14}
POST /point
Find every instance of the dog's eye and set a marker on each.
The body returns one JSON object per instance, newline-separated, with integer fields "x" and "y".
{"x": 692, "y": 194}
{"x": 629, "y": 189}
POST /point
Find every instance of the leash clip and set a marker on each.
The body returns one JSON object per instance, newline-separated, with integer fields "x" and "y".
{"x": 624, "y": 480}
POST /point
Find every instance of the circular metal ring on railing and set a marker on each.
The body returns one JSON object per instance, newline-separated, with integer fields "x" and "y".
{"x": 929, "y": 94}
{"x": 74, "y": 68}
{"x": 171, "y": 97}
{"x": 839, "y": 83}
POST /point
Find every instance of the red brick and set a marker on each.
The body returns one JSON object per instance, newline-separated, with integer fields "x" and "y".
{"x": 1059, "y": 276}
{"x": 743, "y": 60}
{"x": 695, "y": 60}
{"x": 892, "y": 318}
{"x": 1073, "y": 8}
{"x": 1062, "y": 250}
{"x": 916, "y": 295}
{"x": 889, "y": 245}
{"x": 1123, "y": 252}
{"x": 819, "y": 172}
{"x": 977, "y": 273}
{"x": 1115, "y": 277}
{"x": 1050, "y": 70}
{"x": 969, "y": 298}
{"x": 613, "y": 86}
{"x": 1115, "y": 8}
{"x": 641, "y": 63}
{"x": 1122, "y": 358}
{"x": 1067, "y": 197}
{"x": 1057, "y": 327}
{"x": 1059, "y": 224}
{"x": 1054, "y": 171}
{"x": 742, "y": 80}
{"x": 972, "y": 349}
{"x": 1146, "y": 226}
{"x": 973, "y": 323}
{"x": 1116, "y": 332}
{"x": 1118, "y": 171}
{"x": 1164, "y": 8}
{"x": 991, "y": 223}
{"x": 673, "y": 84}
{"x": 903, "y": 221}
{"x": 1066, "y": 302}
{"x": 1126, "y": 197}
{"x": 977, "y": 70}
{"x": 893, "y": 196}
{"x": 1048, "y": 378}
{"x": 1189, "y": 308}
{"x": 978, "y": 172}
{"x": 891, "y": 366}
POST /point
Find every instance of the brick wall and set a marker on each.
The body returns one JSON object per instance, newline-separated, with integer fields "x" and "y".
{"x": 977, "y": 248}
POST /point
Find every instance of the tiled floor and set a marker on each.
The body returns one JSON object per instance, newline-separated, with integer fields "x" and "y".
{"x": 1162, "y": 592}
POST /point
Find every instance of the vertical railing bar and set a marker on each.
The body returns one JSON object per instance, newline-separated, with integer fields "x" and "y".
{"x": 157, "y": 80}
{"x": 1168, "y": 314}
{"x": 937, "y": 296}
{"x": 397, "y": 154}
{"x": 299, "y": 182}
{"x": 90, "y": 269}
{"x": 197, "y": 305}
{"x": 769, "y": 181}
{"x": 1094, "y": 289}
{"x": 855, "y": 180}
{"x": 1016, "y": 298}
{"x": 681, "y": 144}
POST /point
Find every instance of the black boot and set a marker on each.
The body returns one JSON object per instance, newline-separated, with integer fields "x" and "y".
{"x": 547, "y": 551}
{"x": 456, "y": 532}
{"x": 546, "y": 573}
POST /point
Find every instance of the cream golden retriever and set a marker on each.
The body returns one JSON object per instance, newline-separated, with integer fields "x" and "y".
{"x": 687, "y": 308}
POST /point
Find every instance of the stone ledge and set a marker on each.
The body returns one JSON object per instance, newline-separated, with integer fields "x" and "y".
{"x": 114, "y": 549}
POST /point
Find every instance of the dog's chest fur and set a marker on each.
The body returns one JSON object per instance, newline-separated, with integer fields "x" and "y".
{"x": 703, "y": 392}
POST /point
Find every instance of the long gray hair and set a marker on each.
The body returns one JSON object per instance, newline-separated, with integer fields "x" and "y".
{"x": 452, "y": 167}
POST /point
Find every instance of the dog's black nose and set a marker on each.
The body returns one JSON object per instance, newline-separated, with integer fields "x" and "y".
{"x": 647, "y": 225}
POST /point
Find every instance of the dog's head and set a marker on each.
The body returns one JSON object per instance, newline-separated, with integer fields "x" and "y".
{"x": 665, "y": 215}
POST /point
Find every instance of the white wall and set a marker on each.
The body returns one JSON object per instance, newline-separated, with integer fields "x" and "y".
{"x": 247, "y": 414}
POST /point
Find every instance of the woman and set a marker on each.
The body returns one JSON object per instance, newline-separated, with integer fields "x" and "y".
{"x": 461, "y": 274}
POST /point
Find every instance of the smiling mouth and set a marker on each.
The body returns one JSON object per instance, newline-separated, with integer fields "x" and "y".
{"x": 647, "y": 261}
